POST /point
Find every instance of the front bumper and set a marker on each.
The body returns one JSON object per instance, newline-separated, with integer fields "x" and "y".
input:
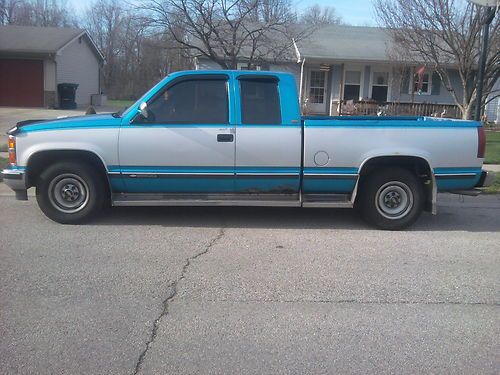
{"x": 16, "y": 180}
{"x": 487, "y": 178}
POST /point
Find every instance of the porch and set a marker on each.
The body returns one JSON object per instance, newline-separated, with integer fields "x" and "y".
{"x": 352, "y": 88}
{"x": 372, "y": 108}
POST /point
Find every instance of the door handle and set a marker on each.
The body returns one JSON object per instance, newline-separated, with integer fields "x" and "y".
{"x": 225, "y": 137}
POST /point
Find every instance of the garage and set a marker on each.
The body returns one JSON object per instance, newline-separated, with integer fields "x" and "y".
{"x": 22, "y": 83}
{"x": 35, "y": 60}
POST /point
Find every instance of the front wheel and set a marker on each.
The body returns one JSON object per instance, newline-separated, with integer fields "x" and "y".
{"x": 391, "y": 198}
{"x": 70, "y": 192}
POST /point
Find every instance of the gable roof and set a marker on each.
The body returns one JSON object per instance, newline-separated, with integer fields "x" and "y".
{"x": 341, "y": 42}
{"x": 40, "y": 40}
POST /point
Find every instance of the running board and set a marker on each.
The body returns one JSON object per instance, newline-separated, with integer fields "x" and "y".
{"x": 149, "y": 200}
{"x": 327, "y": 200}
{"x": 204, "y": 200}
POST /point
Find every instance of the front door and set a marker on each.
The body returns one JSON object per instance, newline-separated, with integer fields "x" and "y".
{"x": 268, "y": 140}
{"x": 317, "y": 92}
{"x": 186, "y": 143}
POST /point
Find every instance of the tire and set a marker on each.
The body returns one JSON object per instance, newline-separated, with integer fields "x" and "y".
{"x": 391, "y": 198}
{"x": 70, "y": 192}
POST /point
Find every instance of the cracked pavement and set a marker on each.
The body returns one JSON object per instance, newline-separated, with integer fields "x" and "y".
{"x": 250, "y": 291}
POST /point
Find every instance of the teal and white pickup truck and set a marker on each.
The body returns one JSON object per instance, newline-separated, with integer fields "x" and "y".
{"x": 237, "y": 138}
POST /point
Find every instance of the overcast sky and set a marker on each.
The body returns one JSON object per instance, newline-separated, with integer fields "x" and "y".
{"x": 354, "y": 12}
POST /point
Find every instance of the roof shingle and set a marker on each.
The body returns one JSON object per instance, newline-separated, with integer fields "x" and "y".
{"x": 35, "y": 39}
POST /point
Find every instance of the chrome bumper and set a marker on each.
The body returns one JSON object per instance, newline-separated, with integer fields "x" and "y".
{"x": 487, "y": 178}
{"x": 16, "y": 180}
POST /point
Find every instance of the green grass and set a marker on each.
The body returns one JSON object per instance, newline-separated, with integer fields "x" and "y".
{"x": 3, "y": 162}
{"x": 492, "y": 147}
{"x": 495, "y": 188}
{"x": 119, "y": 103}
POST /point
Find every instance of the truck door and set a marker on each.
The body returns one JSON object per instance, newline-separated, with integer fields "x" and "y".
{"x": 186, "y": 143}
{"x": 268, "y": 136}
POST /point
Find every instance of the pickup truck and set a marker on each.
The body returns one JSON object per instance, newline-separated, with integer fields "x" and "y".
{"x": 237, "y": 138}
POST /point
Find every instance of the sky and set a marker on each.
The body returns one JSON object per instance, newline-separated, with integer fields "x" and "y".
{"x": 353, "y": 12}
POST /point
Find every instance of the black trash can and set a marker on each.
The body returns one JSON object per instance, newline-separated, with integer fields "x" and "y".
{"x": 67, "y": 92}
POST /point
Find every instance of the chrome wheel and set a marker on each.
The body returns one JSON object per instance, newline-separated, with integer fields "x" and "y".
{"x": 68, "y": 193}
{"x": 394, "y": 200}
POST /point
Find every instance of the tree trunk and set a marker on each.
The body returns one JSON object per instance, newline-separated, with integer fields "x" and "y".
{"x": 467, "y": 112}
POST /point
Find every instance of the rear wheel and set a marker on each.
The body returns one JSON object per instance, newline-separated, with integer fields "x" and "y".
{"x": 70, "y": 192}
{"x": 391, "y": 198}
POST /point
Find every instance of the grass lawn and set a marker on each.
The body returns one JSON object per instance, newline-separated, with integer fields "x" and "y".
{"x": 119, "y": 103}
{"x": 3, "y": 162}
{"x": 492, "y": 147}
{"x": 495, "y": 188}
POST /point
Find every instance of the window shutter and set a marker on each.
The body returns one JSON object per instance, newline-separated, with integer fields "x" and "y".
{"x": 405, "y": 81}
{"x": 436, "y": 84}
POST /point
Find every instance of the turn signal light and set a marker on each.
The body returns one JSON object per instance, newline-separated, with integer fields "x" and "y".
{"x": 12, "y": 149}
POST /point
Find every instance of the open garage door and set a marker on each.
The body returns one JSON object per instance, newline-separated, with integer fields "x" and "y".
{"x": 21, "y": 83}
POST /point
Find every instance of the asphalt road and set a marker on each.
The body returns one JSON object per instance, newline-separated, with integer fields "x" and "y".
{"x": 250, "y": 291}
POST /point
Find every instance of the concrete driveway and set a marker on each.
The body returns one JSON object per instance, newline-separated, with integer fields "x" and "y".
{"x": 249, "y": 291}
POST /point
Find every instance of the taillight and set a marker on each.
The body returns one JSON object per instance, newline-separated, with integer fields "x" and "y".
{"x": 481, "y": 142}
{"x": 12, "y": 149}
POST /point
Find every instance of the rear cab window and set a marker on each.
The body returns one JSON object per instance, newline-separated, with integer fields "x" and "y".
{"x": 260, "y": 100}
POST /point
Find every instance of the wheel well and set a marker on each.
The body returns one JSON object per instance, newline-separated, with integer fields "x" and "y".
{"x": 414, "y": 164}
{"x": 38, "y": 162}
{"x": 417, "y": 165}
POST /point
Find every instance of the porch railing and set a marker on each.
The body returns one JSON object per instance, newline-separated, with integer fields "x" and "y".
{"x": 369, "y": 108}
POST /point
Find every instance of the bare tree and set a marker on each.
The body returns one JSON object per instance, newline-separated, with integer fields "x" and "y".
{"x": 104, "y": 20}
{"x": 136, "y": 57}
{"x": 8, "y": 10}
{"x": 36, "y": 13}
{"x": 225, "y": 31}
{"x": 319, "y": 16}
{"x": 444, "y": 35}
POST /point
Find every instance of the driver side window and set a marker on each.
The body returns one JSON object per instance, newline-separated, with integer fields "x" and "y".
{"x": 197, "y": 101}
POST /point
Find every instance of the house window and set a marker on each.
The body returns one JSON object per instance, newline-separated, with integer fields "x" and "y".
{"x": 246, "y": 66}
{"x": 380, "y": 86}
{"x": 352, "y": 85}
{"x": 317, "y": 87}
{"x": 426, "y": 84}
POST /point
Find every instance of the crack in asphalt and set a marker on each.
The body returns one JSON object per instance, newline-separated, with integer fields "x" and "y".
{"x": 173, "y": 292}
{"x": 360, "y": 302}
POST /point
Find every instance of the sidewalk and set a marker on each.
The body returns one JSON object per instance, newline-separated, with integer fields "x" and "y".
{"x": 492, "y": 167}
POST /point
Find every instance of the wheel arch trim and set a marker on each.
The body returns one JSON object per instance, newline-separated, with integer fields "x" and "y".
{"x": 431, "y": 195}
{"x": 88, "y": 153}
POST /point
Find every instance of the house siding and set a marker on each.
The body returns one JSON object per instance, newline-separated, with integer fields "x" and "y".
{"x": 49, "y": 83}
{"x": 77, "y": 63}
{"x": 402, "y": 94}
{"x": 205, "y": 64}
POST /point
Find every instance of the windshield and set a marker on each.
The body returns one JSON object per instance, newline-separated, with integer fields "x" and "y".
{"x": 143, "y": 98}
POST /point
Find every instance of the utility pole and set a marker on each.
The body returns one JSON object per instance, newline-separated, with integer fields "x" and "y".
{"x": 491, "y": 9}
{"x": 490, "y": 15}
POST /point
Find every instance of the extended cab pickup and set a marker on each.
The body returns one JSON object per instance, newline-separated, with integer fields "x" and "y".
{"x": 238, "y": 138}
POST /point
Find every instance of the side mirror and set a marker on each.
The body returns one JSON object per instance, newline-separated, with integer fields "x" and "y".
{"x": 143, "y": 109}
